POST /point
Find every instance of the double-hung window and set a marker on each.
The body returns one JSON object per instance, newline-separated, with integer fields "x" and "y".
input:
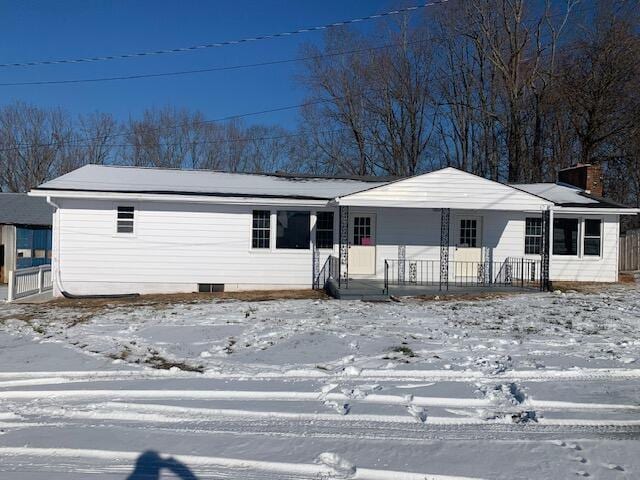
{"x": 533, "y": 236}
{"x": 592, "y": 237}
{"x": 261, "y": 229}
{"x": 324, "y": 230}
{"x": 125, "y": 219}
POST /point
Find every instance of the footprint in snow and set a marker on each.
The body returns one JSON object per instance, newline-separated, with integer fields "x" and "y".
{"x": 342, "y": 468}
{"x": 341, "y": 408}
{"x": 354, "y": 393}
{"x": 579, "y": 459}
{"x": 419, "y": 413}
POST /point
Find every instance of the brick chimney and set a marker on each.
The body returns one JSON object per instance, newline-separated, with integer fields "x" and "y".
{"x": 585, "y": 176}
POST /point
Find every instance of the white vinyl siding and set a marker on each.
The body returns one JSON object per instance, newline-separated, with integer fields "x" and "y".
{"x": 603, "y": 268}
{"x": 447, "y": 188}
{"x": 176, "y": 246}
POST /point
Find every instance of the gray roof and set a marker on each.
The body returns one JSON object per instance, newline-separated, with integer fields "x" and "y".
{"x": 21, "y": 209}
{"x": 567, "y": 195}
{"x": 103, "y": 178}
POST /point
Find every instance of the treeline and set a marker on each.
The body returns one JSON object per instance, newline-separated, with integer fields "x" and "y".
{"x": 509, "y": 89}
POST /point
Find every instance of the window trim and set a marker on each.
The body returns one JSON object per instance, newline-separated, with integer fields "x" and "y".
{"x": 465, "y": 227}
{"x": 333, "y": 230}
{"x": 275, "y": 247}
{"x": 271, "y": 240}
{"x": 134, "y": 222}
{"x": 578, "y": 253}
{"x": 585, "y": 236}
{"x": 541, "y": 237}
{"x": 581, "y": 236}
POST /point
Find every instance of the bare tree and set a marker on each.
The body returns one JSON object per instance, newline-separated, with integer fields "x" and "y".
{"x": 31, "y": 140}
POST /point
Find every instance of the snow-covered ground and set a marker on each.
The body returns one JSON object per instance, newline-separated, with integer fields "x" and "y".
{"x": 541, "y": 386}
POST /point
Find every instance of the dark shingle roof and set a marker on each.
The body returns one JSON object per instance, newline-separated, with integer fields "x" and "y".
{"x": 21, "y": 209}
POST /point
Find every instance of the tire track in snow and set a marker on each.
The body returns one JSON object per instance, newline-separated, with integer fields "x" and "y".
{"x": 152, "y": 413}
{"x": 122, "y": 460}
{"x": 577, "y": 374}
{"x": 297, "y": 396}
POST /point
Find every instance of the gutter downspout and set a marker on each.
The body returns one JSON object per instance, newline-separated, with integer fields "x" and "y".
{"x": 56, "y": 251}
{"x": 57, "y": 278}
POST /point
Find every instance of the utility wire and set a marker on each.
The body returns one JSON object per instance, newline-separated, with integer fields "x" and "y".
{"x": 216, "y": 69}
{"x": 20, "y": 146}
{"x": 209, "y": 69}
{"x": 260, "y": 112}
{"x": 207, "y": 142}
{"x": 227, "y": 42}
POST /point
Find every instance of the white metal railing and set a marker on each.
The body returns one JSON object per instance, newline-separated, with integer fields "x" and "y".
{"x": 29, "y": 281}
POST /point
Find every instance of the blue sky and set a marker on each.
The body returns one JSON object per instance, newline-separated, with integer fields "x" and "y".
{"x": 42, "y": 30}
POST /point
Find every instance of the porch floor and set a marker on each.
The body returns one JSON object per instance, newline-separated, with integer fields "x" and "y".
{"x": 373, "y": 289}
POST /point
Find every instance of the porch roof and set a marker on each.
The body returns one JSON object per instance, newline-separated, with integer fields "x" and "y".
{"x": 447, "y": 188}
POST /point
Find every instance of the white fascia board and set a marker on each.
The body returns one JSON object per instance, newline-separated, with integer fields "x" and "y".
{"x": 153, "y": 197}
{"x": 596, "y": 211}
{"x": 346, "y": 202}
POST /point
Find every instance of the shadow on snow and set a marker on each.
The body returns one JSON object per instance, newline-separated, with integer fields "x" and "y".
{"x": 150, "y": 465}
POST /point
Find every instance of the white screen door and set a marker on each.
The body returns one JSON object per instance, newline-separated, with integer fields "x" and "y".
{"x": 362, "y": 245}
{"x": 468, "y": 253}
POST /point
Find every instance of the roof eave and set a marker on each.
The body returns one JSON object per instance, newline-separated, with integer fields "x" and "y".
{"x": 187, "y": 197}
{"x": 594, "y": 210}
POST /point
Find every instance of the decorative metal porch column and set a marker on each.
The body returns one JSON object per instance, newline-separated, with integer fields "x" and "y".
{"x": 445, "y": 215}
{"x": 545, "y": 284}
{"x": 343, "y": 274}
{"x": 402, "y": 256}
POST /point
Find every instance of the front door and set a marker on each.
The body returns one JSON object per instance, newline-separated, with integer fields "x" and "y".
{"x": 362, "y": 244}
{"x": 468, "y": 253}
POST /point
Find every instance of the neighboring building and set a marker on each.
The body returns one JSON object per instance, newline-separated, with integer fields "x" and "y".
{"x": 137, "y": 230}
{"x": 25, "y": 224}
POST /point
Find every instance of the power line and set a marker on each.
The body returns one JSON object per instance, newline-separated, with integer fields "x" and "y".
{"x": 20, "y": 146}
{"x": 205, "y": 70}
{"x": 227, "y": 42}
{"x": 260, "y": 112}
{"x": 212, "y": 142}
{"x": 216, "y": 69}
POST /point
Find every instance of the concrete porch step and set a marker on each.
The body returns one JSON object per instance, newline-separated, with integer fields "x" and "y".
{"x": 357, "y": 291}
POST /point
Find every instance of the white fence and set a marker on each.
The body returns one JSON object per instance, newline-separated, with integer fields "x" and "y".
{"x": 630, "y": 251}
{"x": 29, "y": 281}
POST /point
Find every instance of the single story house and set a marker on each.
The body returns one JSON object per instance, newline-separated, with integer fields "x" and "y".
{"x": 25, "y": 232}
{"x": 121, "y": 230}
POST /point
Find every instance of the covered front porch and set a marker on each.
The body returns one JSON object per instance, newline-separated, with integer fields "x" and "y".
{"x": 451, "y": 266}
{"x": 400, "y": 240}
